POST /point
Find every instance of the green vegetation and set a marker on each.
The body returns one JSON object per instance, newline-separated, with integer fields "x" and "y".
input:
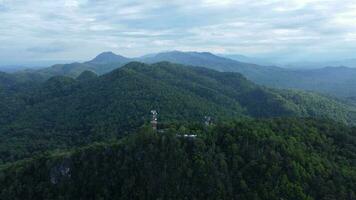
{"x": 336, "y": 81}
{"x": 64, "y": 112}
{"x": 87, "y": 76}
{"x": 311, "y": 104}
{"x": 87, "y": 137}
{"x": 101, "y": 64}
{"x": 249, "y": 159}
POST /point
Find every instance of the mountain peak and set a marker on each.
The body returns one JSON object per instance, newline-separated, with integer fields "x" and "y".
{"x": 109, "y": 57}
{"x": 107, "y": 53}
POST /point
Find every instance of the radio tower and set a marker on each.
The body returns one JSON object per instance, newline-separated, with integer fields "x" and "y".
{"x": 154, "y": 120}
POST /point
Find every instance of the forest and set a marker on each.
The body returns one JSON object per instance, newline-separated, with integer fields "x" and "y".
{"x": 177, "y": 100}
{"x": 89, "y": 137}
{"x": 244, "y": 159}
{"x": 63, "y": 112}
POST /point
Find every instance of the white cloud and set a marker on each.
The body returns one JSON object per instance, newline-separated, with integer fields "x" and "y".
{"x": 142, "y": 26}
{"x": 217, "y": 2}
{"x": 71, "y": 3}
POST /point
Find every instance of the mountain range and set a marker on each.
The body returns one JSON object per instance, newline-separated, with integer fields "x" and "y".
{"x": 334, "y": 81}
{"x": 289, "y": 63}
{"x": 82, "y": 130}
{"x": 76, "y": 111}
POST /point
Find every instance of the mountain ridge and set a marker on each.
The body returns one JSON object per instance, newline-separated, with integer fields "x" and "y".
{"x": 78, "y": 112}
{"x": 339, "y": 82}
{"x": 108, "y": 57}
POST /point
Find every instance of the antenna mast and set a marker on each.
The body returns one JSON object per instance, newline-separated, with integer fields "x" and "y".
{"x": 154, "y": 120}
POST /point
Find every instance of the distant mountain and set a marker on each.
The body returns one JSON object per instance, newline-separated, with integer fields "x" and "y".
{"x": 71, "y": 70}
{"x": 246, "y": 59}
{"x": 289, "y": 62}
{"x": 292, "y": 64}
{"x": 103, "y": 63}
{"x": 346, "y": 62}
{"x": 259, "y": 74}
{"x": 335, "y": 81}
{"x": 109, "y": 57}
{"x": 320, "y": 64}
{"x": 205, "y": 59}
{"x": 12, "y": 68}
{"x": 108, "y": 61}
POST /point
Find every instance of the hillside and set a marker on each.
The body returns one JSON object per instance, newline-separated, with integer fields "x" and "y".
{"x": 205, "y": 59}
{"x": 254, "y": 159}
{"x": 13, "y": 92}
{"x": 75, "y": 69}
{"x": 339, "y": 81}
{"x": 101, "y": 64}
{"x": 87, "y": 76}
{"x": 108, "y": 61}
{"x": 335, "y": 81}
{"x": 64, "y": 112}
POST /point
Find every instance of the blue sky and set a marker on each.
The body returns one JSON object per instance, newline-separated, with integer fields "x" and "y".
{"x": 79, "y": 29}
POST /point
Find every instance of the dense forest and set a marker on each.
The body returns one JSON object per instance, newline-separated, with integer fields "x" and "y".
{"x": 63, "y": 112}
{"x": 89, "y": 137}
{"x": 246, "y": 159}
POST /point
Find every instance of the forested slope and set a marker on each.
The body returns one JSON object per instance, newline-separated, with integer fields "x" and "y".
{"x": 64, "y": 112}
{"x": 336, "y": 81}
{"x": 249, "y": 159}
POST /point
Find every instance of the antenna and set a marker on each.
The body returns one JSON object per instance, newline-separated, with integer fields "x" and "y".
{"x": 207, "y": 120}
{"x": 154, "y": 120}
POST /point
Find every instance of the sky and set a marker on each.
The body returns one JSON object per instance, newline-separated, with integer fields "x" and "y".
{"x": 35, "y": 30}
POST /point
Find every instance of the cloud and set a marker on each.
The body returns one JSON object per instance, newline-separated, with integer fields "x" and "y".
{"x": 136, "y": 27}
{"x": 46, "y": 49}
